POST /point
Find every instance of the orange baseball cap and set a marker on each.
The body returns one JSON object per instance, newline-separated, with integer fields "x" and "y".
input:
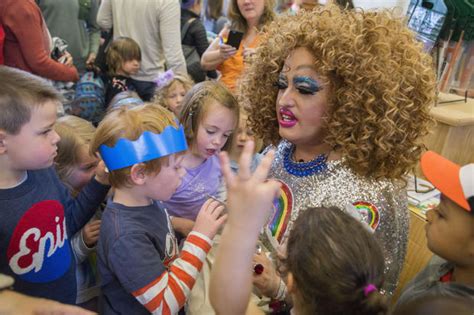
{"x": 454, "y": 181}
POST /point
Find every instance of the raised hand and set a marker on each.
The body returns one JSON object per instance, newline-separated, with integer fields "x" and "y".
{"x": 250, "y": 196}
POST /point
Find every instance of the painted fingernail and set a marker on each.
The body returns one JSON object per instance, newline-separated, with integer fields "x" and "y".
{"x": 258, "y": 269}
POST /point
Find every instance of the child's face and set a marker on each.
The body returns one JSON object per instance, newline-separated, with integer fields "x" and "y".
{"x": 449, "y": 231}
{"x": 83, "y": 172}
{"x": 35, "y": 146}
{"x": 131, "y": 67}
{"x": 163, "y": 185}
{"x": 214, "y": 130}
{"x": 175, "y": 97}
{"x": 242, "y": 135}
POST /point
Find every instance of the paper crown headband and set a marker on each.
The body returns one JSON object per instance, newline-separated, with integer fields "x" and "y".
{"x": 148, "y": 146}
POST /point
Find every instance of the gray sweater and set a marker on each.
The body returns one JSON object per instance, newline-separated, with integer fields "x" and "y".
{"x": 154, "y": 25}
{"x": 82, "y": 36}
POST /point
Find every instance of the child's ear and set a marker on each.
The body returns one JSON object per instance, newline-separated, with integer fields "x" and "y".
{"x": 3, "y": 144}
{"x": 137, "y": 174}
{"x": 290, "y": 283}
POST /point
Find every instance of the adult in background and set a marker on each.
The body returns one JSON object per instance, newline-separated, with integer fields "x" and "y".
{"x": 155, "y": 26}
{"x": 195, "y": 36}
{"x": 345, "y": 95}
{"x": 75, "y": 22}
{"x": 247, "y": 16}
{"x": 27, "y": 43}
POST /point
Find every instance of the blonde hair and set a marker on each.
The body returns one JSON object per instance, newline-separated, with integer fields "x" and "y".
{"x": 162, "y": 93}
{"x": 130, "y": 123}
{"x": 20, "y": 93}
{"x": 240, "y": 23}
{"x": 195, "y": 105}
{"x": 74, "y": 132}
{"x": 121, "y": 50}
{"x": 382, "y": 85}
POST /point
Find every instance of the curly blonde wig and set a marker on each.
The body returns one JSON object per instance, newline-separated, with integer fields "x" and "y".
{"x": 382, "y": 85}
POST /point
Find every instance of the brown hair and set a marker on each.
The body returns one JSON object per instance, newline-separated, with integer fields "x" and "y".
{"x": 130, "y": 123}
{"x": 121, "y": 50}
{"x": 20, "y": 92}
{"x": 383, "y": 85}
{"x": 75, "y": 132}
{"x": 195, "y": 104}
{"x": 240, "y": 23}
{"x": 214, "y": 9}
{"x": 332, "y": 258}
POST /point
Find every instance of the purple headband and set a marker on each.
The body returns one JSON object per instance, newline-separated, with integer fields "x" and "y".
{"x": 369, "y": 289}
{"x": 163, "y": 79}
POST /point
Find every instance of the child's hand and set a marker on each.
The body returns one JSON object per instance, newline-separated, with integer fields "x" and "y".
{"x": 209, "y": 218}
{"x": 249, "y": 196}
{"x": 90, "y": 233}
{"x": 101, "y": 175}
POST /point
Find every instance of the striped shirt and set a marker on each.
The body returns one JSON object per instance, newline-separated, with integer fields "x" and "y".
{"x": 139, "y": 264}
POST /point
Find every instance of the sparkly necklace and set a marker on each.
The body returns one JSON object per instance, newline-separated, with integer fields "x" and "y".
{"x": 302, "y": 169}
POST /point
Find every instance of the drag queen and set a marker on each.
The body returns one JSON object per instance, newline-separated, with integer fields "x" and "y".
{"x": 344, "y": 96}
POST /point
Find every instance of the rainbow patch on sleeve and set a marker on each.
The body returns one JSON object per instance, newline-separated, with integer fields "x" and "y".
{"x": 369, "y": 212}
{"x": 282, "y": 208}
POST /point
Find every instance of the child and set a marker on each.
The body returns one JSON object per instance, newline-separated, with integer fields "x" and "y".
{"x": 209, "y": 115}
{"x": 171, "y": 89}
{"x": 76, "y": 167}
{"x": 123, "y": 59}
{"x": 38, "y": 214}
{"x": 333, "y": 264}
{"x": 243, "y": 135}
{"x": 137, "y": 250}
{"x": 126, "y": 98}
{"x": 449, "y": 232}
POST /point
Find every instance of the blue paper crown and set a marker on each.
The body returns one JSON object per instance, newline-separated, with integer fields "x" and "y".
{"x": 148, "y": 146}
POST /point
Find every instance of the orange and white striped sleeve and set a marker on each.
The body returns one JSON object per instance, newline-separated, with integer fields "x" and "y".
{"x": 168, "y": 292}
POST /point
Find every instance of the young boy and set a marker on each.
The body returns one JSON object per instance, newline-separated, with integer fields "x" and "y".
{"x": 38, "y": 216}
{"x": 137, "y": 250}
{"x": 449, "y": 231}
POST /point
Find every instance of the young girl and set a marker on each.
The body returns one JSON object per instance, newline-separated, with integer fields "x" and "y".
{"x": 241, "y": 136}
{"x": 209, "y": 115}
{"x": 76, "y": 167}
{"x": 333, "y": 264}
{"x": 171, "y": 89}
{"x": 123, "y": 60}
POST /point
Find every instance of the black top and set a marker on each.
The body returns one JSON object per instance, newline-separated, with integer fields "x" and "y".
{"x": 196, "y": 35}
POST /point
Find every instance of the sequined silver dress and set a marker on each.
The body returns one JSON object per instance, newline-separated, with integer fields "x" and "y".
{"x": 382, "y": 203}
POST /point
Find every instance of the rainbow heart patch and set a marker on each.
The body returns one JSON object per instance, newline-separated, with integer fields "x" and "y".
{"x": 369, "y": 212}
{"x": 282, "y": 208}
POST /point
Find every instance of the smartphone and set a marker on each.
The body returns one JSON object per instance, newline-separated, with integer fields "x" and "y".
{"x": 234, "y": 38}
